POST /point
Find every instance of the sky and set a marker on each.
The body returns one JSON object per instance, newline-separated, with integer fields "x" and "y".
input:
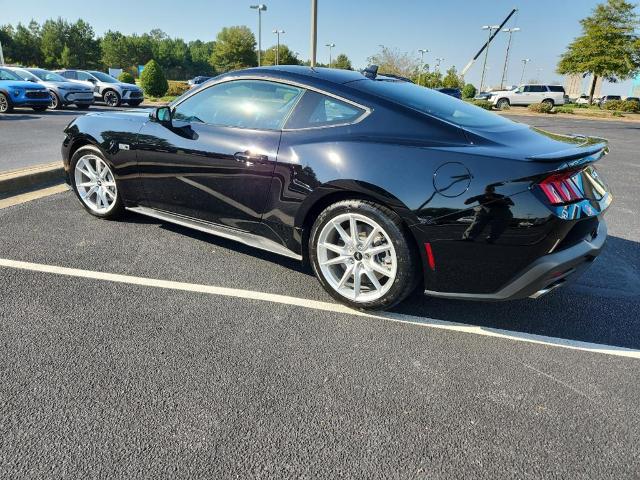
{"x": 449, "y": 29}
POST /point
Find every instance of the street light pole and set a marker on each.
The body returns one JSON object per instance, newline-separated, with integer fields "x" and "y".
{"x": 422, "y": 52}
{"x": 314, "y": 32}
{"x": 510, "y": 31}
{"x": 261, "y": 7}
{"x": 491, "y": 29}
{"x": 438, "y": 60}
{"x": 330, "y": 45}
{"x": 524, "y": 66}
{"x": 278, "y": 32}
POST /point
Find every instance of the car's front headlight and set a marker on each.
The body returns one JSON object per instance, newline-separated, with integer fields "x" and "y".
{"x": 16, "y": 92}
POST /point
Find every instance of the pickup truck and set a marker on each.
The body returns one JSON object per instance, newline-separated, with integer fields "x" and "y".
{"x": 528, "y": 94}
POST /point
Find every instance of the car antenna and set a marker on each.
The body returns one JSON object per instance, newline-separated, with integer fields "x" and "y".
{"x": 371, "y": 72}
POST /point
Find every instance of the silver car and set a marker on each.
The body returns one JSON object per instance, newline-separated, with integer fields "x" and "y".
{"x": 63, "y": 92}
{"x": 110, "y": 90}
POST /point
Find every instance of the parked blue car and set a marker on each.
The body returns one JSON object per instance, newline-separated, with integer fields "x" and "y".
{"x": 14, "y": 92}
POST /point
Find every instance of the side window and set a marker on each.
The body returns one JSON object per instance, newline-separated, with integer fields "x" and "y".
{"x": 83, "y": 76}
{"x": 255, "y": 104}
{"x": 538, "y": 88}
{"x": 69, "y": 74}
{"x": 527, "y": 88}
{"x": 317, "y": 110}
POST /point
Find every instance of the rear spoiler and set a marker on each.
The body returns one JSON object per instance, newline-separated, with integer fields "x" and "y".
{"x": 592, "y": 147}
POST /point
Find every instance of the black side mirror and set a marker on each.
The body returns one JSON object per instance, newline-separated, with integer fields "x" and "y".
{"x": 161, "y": 115}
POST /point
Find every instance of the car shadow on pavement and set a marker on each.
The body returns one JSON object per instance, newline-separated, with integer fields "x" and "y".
{"x": 602, "y": 306}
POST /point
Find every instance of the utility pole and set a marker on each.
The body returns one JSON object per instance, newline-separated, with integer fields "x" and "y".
{"x": 491, "y": 29}
{"x": 422, "y": 52}
{"x": 261, "y": 7}
{"x": 314, "y": 32}
{"x": 330, "y": 45}
{"x": 524, "y": 66}
{"x": 510, "y": 31}
{"x": 278, "y": 32}
{"x": 1, "y": 55}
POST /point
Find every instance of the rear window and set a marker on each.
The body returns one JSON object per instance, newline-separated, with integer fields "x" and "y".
{"x": 432, "y": 103}
{"x": 556, "y": 88}
{"x": 318, "y": 110}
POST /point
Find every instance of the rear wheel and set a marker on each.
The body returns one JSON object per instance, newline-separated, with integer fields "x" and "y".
{"x": 548, "y": 101}
{"x": 362, "y": 256}
{"x": 111, "y": 98}
{"x": 94, "y": 183}
{"x": 503, "y": 104}
{"x": 5, "y": 104}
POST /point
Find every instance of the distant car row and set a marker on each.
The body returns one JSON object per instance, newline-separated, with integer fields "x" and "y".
{"x": 40, "y": 89}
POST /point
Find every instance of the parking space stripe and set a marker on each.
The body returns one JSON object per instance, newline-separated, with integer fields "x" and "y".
{"x": 326, "y": 306}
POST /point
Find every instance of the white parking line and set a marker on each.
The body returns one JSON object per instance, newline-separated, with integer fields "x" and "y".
{"x": 325, "y": 306}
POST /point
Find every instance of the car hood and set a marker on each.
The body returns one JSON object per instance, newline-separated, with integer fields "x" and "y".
{"x": 22, "y": 84}
{"x": 67, "y": 86}
{"x": 134, "y": 115}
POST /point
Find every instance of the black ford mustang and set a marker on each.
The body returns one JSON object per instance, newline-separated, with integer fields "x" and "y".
{"x": 382, "y": 185}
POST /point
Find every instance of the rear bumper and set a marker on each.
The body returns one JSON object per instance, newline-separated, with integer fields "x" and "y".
{"x": 545, "y": 274}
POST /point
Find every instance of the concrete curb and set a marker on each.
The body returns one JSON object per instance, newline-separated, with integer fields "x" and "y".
{"x": 31, "y": 178}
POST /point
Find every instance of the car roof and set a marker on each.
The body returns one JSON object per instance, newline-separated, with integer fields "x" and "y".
{"x": 299, "y": 72}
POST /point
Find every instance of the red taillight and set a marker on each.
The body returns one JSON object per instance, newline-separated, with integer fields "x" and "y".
{"x": 561, "y": 188}
{"x": 430, "y": 257}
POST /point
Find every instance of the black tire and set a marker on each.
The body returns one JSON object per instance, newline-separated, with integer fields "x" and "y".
{"x": 40, "y": 108}
{"x": 5, "y": 104}
{"x": 503, "y": 103}
{"x": 135, "y": 103}
{"x": 83, "y": 106}
{"x": 118, "y": 208}
{"x": 408, "y": 262}
{"x": 111, "y": 98}
{"x": 55, "y": 104}
{"x": 548, "y": 101}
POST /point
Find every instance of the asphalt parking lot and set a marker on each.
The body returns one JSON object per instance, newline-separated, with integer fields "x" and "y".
{"x": 136, "y": 349}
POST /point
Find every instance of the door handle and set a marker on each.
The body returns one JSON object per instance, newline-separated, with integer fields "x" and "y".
{"x": 248, "y": 158}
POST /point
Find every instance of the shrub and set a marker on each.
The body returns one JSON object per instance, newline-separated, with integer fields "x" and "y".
{"x": 177, "y": 88}
{"x": 623, "y": 105}
{"x": 564, "y": 109}
{"x": 126, "y": 77}
{"x": 541, "y": 108}
{"x": 469, "y": 91}
{"x": 483, "y": 104}
{"x": 153, "y": 81}
{"x": 617, "y": 114}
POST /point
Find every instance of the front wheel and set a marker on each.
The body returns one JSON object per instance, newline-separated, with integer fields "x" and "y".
{"x": 503, "y": 104}
{"x": 55, "y": 104}
{"x": 5, "y": 104}
{"x": 362, "y": 255}
{"x": 94, "y": 183}
{"x": 111, "y": 98}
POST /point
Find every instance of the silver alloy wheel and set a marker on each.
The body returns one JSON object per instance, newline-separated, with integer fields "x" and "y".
{"x": 95, "y": 183}
{"x": 54, "y": 101}
{"x": 4, "y": 103}
{"x": 111, "y": 98}
{"x": 356, "y": 257}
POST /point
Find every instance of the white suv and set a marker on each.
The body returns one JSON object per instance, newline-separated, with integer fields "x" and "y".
{"x": 528, "y": 94}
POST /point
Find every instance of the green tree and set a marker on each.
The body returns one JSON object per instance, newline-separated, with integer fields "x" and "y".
{"x": 25, "y": 45}
{"x": 234, "y": 49}
{"x": 428, "y": 79}
{"x": 394, "y": 62}
{"x": 84, "y": 47}
{"x": 285, "y": 56}
{"x": 153, "y": 81}
{"x": 54, "y": 34}
{"x": 451, "y": 79}
{"x": 117, "y": 50}
{"x": 200, "y": 53}
{"x": 608, "y": 47}
{"x": 6, "y": 40}
{"x": 469, "y": 91}
{"x": 343, "y": 62}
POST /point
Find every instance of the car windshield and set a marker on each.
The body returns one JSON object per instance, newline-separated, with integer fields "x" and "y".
{"x": 25, "y": 75}
{"x": 433, "y": 103}
{"x": 8, "y": 75}
{"x": 103, "y": 77}
{"x": 48, "y": 76}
